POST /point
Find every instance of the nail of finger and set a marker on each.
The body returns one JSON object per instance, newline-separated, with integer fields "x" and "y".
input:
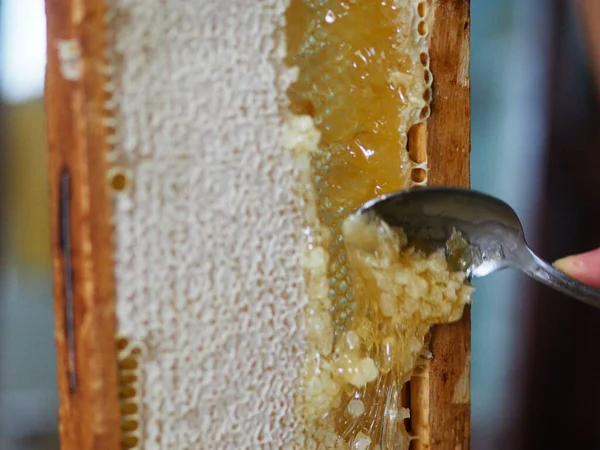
{"x": 584, "y": 267}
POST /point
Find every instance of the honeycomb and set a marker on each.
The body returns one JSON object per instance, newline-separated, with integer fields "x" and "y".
{"x": 364, "y": 89}
{"x": 221, "y": 321}
{"x": 129, "y": 393}
{"x": 363, "y": 82}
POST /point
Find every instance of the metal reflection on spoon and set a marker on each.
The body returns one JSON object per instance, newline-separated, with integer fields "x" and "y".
{"x": 491, "y": 228}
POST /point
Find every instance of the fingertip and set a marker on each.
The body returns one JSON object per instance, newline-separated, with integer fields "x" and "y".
{"x": 584, "y": 267}
{"x": 568, "y": 264}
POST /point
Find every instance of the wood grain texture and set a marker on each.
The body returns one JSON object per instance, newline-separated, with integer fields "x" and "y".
{"x": 89, "y": 414}
{"x": 440, "y": 391}
{"x": 449, "y": 125}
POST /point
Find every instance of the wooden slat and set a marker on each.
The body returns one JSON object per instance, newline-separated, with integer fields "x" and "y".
{"x": 440, "y": 400}
{"x": 89, "y": 411}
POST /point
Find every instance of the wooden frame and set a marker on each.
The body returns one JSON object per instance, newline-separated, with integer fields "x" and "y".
{"x": 440, "y": 392}
{"x": 81, "y": 231}
{"x": 82, "y": 237}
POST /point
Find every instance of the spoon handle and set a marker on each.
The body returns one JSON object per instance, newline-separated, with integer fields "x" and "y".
{"x": 545, "y": 273}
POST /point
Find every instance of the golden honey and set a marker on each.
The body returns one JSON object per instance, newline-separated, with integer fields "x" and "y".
{"x": 363, "y": 89}
{"x": 363, "y": 82}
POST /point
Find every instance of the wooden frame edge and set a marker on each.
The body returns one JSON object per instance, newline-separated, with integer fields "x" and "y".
{"x": 440, "y": 391}
{"x": 81, "y": 239}
{"x": 449, "y": 152}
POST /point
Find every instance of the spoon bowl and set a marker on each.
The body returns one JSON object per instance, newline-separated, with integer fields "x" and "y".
{"x": 491, "y": 228}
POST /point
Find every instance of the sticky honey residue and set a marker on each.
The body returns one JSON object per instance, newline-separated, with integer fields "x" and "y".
{"x": 363, "y": 82}
{"x": 352, "y": 393}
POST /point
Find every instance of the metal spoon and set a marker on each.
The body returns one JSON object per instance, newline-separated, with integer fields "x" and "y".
{"x": 491, "y": 228}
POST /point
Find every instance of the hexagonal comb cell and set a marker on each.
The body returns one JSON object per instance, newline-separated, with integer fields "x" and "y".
{"x": 129, "y": 393}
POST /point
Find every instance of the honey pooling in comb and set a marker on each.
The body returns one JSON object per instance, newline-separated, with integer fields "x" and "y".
{"x": 363, "y": 82}
{"x": 364, "y": 89}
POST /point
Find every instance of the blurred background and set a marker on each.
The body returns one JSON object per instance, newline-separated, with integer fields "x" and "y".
{"x": 536, "y": 144}
{"x": 28, "y": 392}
